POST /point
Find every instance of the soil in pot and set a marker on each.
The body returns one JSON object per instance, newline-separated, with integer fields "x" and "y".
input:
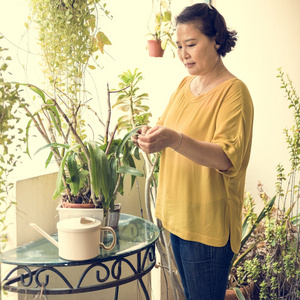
{"x": 77, "y": 205}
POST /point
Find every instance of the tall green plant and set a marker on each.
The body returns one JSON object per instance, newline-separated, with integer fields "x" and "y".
{"x": 282, "y": 263}
{"x": 70, "y": 40}
{"x": 274, "y": 263}
{"x": 88, "y": 170}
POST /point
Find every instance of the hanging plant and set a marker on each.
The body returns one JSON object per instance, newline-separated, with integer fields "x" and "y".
{"x": 70, "y": 38}
{"x": 163, "y": 28}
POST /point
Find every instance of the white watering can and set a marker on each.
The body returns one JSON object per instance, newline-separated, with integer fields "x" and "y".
{"x": 78, "y": 238}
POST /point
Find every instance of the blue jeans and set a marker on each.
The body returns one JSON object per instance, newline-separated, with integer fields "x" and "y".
{"x": 203, "y": 269}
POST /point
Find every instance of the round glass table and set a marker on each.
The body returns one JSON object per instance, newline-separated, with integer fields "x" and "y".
{"x": 136, "y": 239}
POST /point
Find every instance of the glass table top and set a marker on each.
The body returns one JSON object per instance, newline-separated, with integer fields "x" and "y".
{"x": 133, "y": 234}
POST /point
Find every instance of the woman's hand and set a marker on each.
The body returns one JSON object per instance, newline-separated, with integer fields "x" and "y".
{"x": 157, "y": 138}
{"x": 142, "y": 131}
{"x": 207, "y": 154}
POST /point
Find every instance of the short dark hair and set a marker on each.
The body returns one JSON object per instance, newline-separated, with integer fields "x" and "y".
{"x": 211, "y": 23}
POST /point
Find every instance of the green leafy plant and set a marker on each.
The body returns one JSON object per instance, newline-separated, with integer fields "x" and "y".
{"x": 251, "y": 223}
{"x": 70, "y": 37}
{"x": 11, "y": 135}
{"x": 271, "y": 256}
{"x": 89, "y": 171}
{"x": 131, "y": 103}
{"x": 252, "y": 238}
{"x": 70, "y": 40}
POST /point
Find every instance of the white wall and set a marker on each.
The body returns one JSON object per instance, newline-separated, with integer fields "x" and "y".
{"x": 268, "y": 39}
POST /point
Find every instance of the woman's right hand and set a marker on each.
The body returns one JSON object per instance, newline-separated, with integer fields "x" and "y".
{"x": 142, "y": 131}
{"x": 157, "y": 138}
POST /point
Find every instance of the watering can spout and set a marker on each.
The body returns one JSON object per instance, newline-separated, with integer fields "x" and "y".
{"x": 44, "y": 234}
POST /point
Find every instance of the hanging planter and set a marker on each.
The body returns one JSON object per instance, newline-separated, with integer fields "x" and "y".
{"x": 155, "y": 49}
{"x": 161, "y": 28}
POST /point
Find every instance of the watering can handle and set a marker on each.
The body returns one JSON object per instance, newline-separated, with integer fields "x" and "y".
{"x": 44, "y": 234}
{"x": 113, "y": 243}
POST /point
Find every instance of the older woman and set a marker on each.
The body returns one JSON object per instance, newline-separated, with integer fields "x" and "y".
{"x": 205, "y": 137}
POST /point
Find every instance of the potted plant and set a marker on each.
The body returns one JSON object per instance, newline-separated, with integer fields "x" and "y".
{"x": 270, "y": 257}
{"x": 163, "y": 31}
{"x": 252, "y": 236}
{"x": 90, "y": 171}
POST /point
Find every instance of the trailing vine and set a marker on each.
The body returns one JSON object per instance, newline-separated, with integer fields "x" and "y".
{"x": 70, "y": 41}
{"x": 11, "y": 136}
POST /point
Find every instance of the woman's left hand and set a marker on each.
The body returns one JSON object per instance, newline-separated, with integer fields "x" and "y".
{"x": 158, "y": 138}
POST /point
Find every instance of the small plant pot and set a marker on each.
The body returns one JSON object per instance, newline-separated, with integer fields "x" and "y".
{"x": 155, "y": 49}
{"x": 247, "y": 292}
{"x": 74, "y": 210}
{"x": 77, "y": 210}
{"x": 114, "y": 216}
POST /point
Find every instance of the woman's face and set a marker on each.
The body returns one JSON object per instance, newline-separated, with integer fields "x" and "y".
{"x": 196, "y": 51}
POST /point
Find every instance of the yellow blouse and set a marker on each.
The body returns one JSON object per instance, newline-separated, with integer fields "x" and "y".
{"x": 198, "y": 203}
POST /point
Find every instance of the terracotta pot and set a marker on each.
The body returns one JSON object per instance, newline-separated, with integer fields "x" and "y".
{"x": 247, "y": 292}
{"x": 155, "y": 49}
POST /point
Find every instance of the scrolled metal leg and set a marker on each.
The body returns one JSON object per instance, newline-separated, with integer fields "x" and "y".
{"x": 29, "y": 274}
{"x": 46, "y": 282}
{"x": 107, "y": 277}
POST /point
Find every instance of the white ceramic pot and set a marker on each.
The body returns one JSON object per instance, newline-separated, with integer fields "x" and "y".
{"x": 78, "y": 238}
{"x": 95, "y": 213}
{"x": 67, "y": 213}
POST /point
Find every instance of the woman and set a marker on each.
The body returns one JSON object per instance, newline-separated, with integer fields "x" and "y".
{"x": 205, "y": 137}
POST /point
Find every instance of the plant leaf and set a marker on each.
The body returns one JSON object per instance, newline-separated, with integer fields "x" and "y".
{"x": 131, "y": 171}
{"x": 239, "y": 294}
{"x": 96, "y": 167}
{"x": 125, "y": 139}
{"x": 74, "y": 179}
{"x": 35, "y": 89}
{"x": 59, "y": 182}
{"x": 101, "y": 40}
{"x": 260, "y": 217}
{"x": 66, "y": 146}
